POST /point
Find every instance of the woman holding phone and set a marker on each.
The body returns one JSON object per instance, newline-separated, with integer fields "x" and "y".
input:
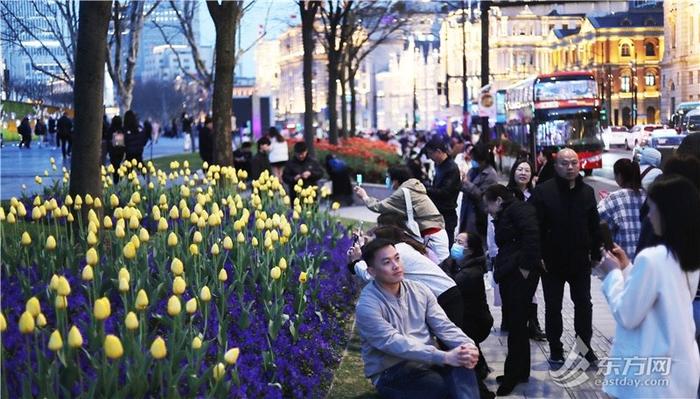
{"x": 651, "y": 298}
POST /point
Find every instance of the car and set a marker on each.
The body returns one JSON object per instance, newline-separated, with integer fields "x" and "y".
{"x": 665, "y": 138}
{"x": 691, "y": 122}
{"x": 614, "y": 135}
{"x": 640, "y": 133}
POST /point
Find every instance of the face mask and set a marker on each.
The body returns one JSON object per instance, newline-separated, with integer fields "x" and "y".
{"x": 475, "y": 164}
{"x": 457, "y": 252}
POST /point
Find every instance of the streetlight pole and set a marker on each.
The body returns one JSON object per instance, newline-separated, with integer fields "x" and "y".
{"x": 634, "y": 88}
{"x": 465, "y": 94}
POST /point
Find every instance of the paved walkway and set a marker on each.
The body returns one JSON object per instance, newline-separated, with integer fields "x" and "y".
{"x": 19, "y": 167}
{"x": 541, "y": 384}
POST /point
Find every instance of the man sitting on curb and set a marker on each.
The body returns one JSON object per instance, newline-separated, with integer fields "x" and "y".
{"x": 397, "y": 320}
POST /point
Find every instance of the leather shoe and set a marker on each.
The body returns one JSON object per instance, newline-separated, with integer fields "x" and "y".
{"x": 506, "y": 387}
{"x": 502, "y": 378}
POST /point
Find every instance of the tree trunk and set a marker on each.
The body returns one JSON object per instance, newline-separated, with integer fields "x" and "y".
{"x": 343, "y": 105}
{"x": 353, "y": 103}
{"x": 308, "y": 11}
{"x": 226, "y": 17}
{"x": 331, "y": 100}
{"x": 91, "y": 53}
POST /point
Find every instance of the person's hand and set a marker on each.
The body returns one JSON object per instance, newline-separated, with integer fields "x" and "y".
{"x": 606, "y": 265}
{"x": 306, "y": 175}
{"x": 354, "y": 253}
{"x": 603, "y": 194}
{"x": 360, "y": 192}
{"x": 620, "y": 256}
{"x": 297, "y": 177}
{"x": 465, "y": 355}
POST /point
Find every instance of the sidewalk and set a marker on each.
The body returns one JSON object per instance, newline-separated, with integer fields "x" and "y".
{"x": 19, "y": 167}
{"x": 541, "y": 383}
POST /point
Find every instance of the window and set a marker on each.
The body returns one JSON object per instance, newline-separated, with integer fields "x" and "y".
{"x": 651, "y": 115}
{"x": 625, "y": 50}
{"x": 690, "y": 77}
{"x": 650, "y": 79}
{"x": 625, "y": 84}
{"x": 650, "y": 49}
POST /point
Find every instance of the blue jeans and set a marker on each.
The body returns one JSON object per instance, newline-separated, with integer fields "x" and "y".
{"x": 409, "y": 380}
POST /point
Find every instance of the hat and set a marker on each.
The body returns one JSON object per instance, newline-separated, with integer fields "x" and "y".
{"x": 649, "y": 156}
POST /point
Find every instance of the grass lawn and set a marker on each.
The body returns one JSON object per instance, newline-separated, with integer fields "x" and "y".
{"x": 193, "y": 158}
{"x": 349, "y": 380}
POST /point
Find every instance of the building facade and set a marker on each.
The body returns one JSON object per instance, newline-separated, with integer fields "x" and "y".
{"x": 624, "y": 52}
{"x": 680, "y": 77}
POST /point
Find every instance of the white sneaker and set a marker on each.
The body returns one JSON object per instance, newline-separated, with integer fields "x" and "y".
{"x": 487, "y": 281}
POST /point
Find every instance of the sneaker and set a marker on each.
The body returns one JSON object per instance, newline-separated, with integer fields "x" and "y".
{"x": 592, "y": 358}
{"x": 556, "y": 358}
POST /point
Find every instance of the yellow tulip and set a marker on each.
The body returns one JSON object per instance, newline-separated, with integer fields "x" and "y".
{"x": 177, "y": 267}
{"x": 113, "y": 347}
{"x": 162, "y": 225}
{"x": 133, "y": 222}
{"x": 63, "y": 287}
{"x": 143, "y": 235}
{"x": 205, "y": 294}
{"x": 174, "y": 306}
{"x": 194, "y": 249}
{"x": 61, "y": 302}
{"x": 113, "y": 200}
{"x": 40, "y": 320}
{"x": 174, "y": 213}
{"x": 197, "y": 238}
{"x": 223, "y": 276}
{"x": 254, "y": 241}
{"x": 275, "y": 273}
{"x": 26, "y": 323}
{"x": 87, "y": 274}
{"x": 155, "y": 213}
{"x": 119, "y": 232}
{"x": 304, "y": 229}
{"x": 141, "y": 300}
{"x": 3, "y": 323}
{"x": 215, "y": 249}
{"x": 78, "y": 200}
{"x": 102, "y": 308}
{"x": 124, "y": 274}
{"x": 55, "y": 341}
{"x": 228, "y": 243}
{"x": 33, "y": 306}
{"x": 179, "y": 285}
{"x": 172, "y": 239}
{"x": 303, "y": 277}
{"x": 191, "y": 306}
{"x": 97, "y": 204}
{"x": 123, "y": 285}
{"x": 135, "y": 240}
{"x": 53, "y": 284}
{"x": 91, "y": 257}
{"x": 259, "y": 224}
{"x": 185, "y": 213}
{"x": 219, "y": 370}
{"x": 335, "y": 206}
{"x": 231, "y": 356}
{"x": 75, "y": 339}
{"x": 91, "y": 238}
{"x": 129, "y": 250}
{"x": 36, "y": 213}
{"x": 196, "y": 343}
{"x": 240, "y": 238}
{"x": 158, "y": 349}
{"x": 11, "y": 218}
{"x": 131, "y": 322}
{"x": 26, "y": 239}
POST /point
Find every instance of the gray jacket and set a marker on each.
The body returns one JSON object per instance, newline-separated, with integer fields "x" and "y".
{"x": 425, "y": 212}
{"x": 400, "y": 328}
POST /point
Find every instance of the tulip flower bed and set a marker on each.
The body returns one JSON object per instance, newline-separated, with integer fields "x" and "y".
{"x": 181, "y": 288}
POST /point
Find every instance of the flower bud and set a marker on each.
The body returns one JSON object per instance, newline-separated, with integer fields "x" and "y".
{"x": 275, "y": 273}
{"x": 141, "y": 300}
{"x": 113, "y": 347}
{"x": 205, "y": 294}
{"x": 91, "y": 257}
{"x": 197, "y": 238}
{"x": 158, "y": 349}
{"x": 33, "y": 306}
{"x": 50, "y": 243}
{"x": 40, "y": 320}
{"x": 143, "y": 235}
{"x": 102, "y": 308}
{"x": 3, "y": 323}
{"x": 215, "y": 249}
{"x": 26, "y": 323}
{"x": 179, "y": 285}
{"x": 63, "y": 287}
{"x": 129, "y": 250}
{"x": 172, "y": 239}
{"x": 303, "y": 277}
{"x": 26, "y": 239}
{"x": 75, "y": 339}
{"x": 191, "y": 306}
{"x": 131, "y": 322}
{"x": 177, "y": 267}
{"x": 228, "y": 243}
{"x": 194, "y": 249}
{"x": 55, "y": 341}
{"x": 174, "y": 306}
{"x": 231, "y": 356}
{"x": 223, "y": 276}
{"x": 282, "y": 264}
{"x": 61, "y": 302}
{"x": 196, "y": 343}
{"x": 219, "y": 370}
{"x": 303, "y": 229}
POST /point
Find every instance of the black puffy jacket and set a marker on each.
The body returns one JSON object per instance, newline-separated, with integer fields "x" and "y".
{"x": 518, "y": 239}
{"x": 446, "y": 185}
{"x": 568, "y": 219}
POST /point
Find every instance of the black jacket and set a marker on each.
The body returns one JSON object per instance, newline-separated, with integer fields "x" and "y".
{"x": 259, "y": 163}
{"x": 295, "y": 167}
{"x": 134, "y": 141}
{"x": 64, "y": 126}
{"x": 568, "y": 220}
{"x": 518, "y": 239}
{"x": 206, "y": 144}
{"x": 446, "y": 185}
{"x": 470, "y": 281}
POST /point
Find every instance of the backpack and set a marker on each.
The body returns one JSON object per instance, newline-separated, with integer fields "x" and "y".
{"x": 118, "y": 139}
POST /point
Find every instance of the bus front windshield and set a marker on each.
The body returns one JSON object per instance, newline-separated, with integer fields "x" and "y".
{"x": 566, "y": 132}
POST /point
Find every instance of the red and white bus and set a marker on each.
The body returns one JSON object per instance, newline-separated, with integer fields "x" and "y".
{"x": 549, "y": 112}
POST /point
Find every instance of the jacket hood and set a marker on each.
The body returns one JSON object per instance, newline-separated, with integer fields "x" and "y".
{"x": 414, "y": 185}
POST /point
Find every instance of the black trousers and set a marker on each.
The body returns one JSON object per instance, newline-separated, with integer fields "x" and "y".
{"x": 450, "y": 216}
{"x": 516, "y": 294}
{"x": 451, "y": 302}
{"x": 65, "y": 144}
{"x": 580, "y": 291}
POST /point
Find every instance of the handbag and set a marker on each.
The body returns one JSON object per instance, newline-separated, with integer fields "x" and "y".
{"x": 118, "y": 139}
{"x": 411, "y": 223}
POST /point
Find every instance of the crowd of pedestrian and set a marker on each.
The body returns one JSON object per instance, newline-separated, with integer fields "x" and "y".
{"x": 427, "y": 254}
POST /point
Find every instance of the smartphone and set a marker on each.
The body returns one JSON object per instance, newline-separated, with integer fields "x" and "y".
{"x": 358, "y": 178}
{"x": 606, "y": 236}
